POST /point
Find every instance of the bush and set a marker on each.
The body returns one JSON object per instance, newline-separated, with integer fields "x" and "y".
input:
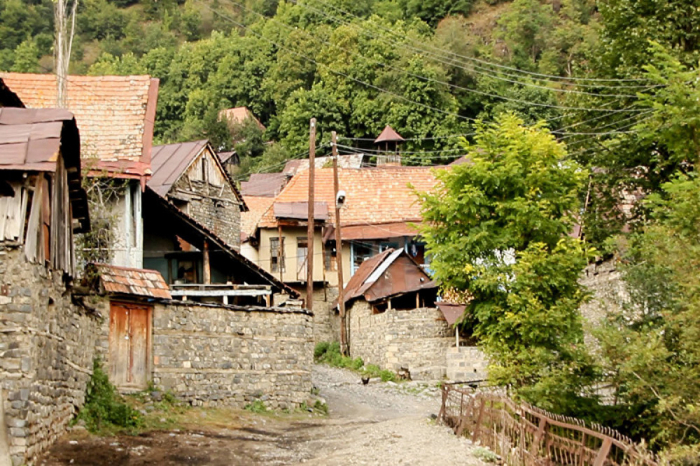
{"x": 104, "y": 407}
{"x": 387, "y": 376}
{"x": 320, "y": 349}
{"x": 256, "y": 406}
{"x": 329, "y": 353}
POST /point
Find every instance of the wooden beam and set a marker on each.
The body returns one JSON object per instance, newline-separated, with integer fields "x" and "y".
{"x": 215, "y": 293}
{"x": 339, "y": 251}
{"x": 310, "y": 227}
{"x": 206, "y": 266}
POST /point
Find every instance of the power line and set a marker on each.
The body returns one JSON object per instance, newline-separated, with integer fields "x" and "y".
{"x": 473, "y": 68}
{"x": 437, "y": 81}
{"x": 485, "y": 62}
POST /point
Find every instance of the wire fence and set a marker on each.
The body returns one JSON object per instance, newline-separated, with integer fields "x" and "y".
{"x": 525, "y": 435}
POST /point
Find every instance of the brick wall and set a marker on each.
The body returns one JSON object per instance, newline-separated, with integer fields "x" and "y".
{"x": 213, "y": 207}
{"x": 47, "y": 346}
{"x": 213, "y": 355}
{"x": 415, "y": 339}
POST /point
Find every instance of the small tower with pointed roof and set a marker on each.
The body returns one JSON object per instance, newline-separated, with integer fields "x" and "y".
{"x": 389, "y": 142}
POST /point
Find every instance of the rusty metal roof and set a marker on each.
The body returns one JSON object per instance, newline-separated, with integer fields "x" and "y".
{"x": 136, "y": 282}
{"x": 452, "y": 311}
{"x": 379, "y": 231}
{"x": 300, "y": 210}
{"x": 31, "y": 140}
{"x": 170, "y": 161}
{"x": 389, "y": 273}
{"x": 389, "y": 135}
{"x": 115, "y": 115}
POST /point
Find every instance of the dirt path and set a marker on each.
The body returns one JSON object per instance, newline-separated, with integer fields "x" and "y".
{"x": 374, "y": 424}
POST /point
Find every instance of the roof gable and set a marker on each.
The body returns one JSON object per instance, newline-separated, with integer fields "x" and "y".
{"x": 173, "y": 161}
{"x": 115, "y": 115}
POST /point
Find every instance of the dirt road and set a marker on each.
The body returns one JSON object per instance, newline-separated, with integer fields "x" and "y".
{"x": 372, "y": 425}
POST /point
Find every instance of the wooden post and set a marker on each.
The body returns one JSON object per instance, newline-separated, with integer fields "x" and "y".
{"x": 339, "y": 251}
{"x": 280, "y": 252}
{"x": 5, "y": 459}
{"x": 206, "y": 268}
{"x": 310, "y": 228}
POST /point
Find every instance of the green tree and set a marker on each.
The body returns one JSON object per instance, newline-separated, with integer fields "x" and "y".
{"x": 651, "y": 346}
{"x": 26, "y": 59}
{"x": 498, "y": 228}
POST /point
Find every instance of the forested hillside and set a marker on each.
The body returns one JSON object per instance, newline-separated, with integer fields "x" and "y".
{"x": 354, "y": 65}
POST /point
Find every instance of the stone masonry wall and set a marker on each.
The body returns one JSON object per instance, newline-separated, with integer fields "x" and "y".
{"x": 466, "y": 363}
{"x": 46, "y": 350}
{"x": 605, "y": 281}
{"x": 214, "y": 355}
{"x": 415, "y": 339}
{"x": 214, "y": 208}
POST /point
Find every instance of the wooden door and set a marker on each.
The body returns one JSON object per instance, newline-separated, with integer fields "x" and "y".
{"x": 129, "y": 345}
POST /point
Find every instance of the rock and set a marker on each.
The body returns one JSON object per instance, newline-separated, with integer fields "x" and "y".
{"x": 156, "y": 396}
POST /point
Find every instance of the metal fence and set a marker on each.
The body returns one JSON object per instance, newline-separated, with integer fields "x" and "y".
{"x": 524, "y": 435}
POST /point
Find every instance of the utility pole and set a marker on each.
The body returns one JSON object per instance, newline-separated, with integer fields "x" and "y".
{"x": 62, "y": 48}
{"x": 339, "y": 251}
{"x": 310, "y": 227}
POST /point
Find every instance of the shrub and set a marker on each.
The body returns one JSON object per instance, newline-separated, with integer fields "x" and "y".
{"x": 104, "y": 407}
{"x": 320, "y": 349}
{"x": 256, "y": 406}
{"x": 387, "y": 376}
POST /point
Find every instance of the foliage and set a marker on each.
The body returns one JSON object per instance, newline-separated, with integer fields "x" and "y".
{"x": 498, "y": 228}
{"x": 652, "y": 344}
{"x": 104, "y": 408}
{"x": 329, "y": 353}
{"x": 257, "y": 406}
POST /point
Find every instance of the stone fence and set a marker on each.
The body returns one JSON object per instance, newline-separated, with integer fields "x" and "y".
{"x": 47, "y": 346}
{"x": 223, "y": 355}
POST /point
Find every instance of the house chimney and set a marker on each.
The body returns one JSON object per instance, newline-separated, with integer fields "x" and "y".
{"x": 388, "y": 142}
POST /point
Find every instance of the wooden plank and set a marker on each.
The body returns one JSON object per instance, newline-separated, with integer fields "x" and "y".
{"x": 33, "y": 242}
{"x": 139, "y": 333}
{"x": 214, "y": 293}
{"x": 23, "y": 214}
{"x": 4, "y": 201}
{"x": 603, "y": 452}
{"x": 118, "y": 344}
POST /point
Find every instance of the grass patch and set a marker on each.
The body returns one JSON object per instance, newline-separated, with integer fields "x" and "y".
{"x": 329, "y": 353}
{"x": 257, "y": 407}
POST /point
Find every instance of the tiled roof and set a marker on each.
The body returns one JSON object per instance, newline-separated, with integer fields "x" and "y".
{"x": 373, "y": 195}
{"x": 137, "y": 282}
{"x": 115, "y": 114}
{"x": 257, "y": 206}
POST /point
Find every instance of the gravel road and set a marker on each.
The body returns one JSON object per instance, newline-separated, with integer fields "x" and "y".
{"x": 375, "y": 424}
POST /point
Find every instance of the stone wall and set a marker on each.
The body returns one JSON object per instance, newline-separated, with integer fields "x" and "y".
{"x": 215, "y": 355}
{"x": 415, "y": 339}
{"x": 466, "y": 363}
{"x": 605, "y": 282}
{"x": 326, "y": 320}
{"x": 215, "y": 208}
{"x": 47, "y": 346}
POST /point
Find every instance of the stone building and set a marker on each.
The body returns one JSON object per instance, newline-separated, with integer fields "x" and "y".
{"x": 192, "y": 229}
{"x": 115, "y": 116}
{"x": 47, "y": 338}
{"x": 393, "y": 321}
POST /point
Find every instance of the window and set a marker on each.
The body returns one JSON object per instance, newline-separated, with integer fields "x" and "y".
{"x": 302, "y": 254}
{"x": 276, "y": 255}
{"x": 330, "y": 257}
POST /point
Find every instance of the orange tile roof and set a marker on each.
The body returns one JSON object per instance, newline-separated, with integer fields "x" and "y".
{"x": 257, "y": 206}
{"x": 373, "y": 195}
{"x": 138, "y": 282}
{"x": 115, "y": 114}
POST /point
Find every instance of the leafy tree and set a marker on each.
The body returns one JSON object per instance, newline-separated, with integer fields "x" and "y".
{"x": 26, "y": 59}
{"x": 248, "y": 138}
{"x": 498, "y": 228}
{"x": 651, "y": 346}
{"x": 432, "y": 11}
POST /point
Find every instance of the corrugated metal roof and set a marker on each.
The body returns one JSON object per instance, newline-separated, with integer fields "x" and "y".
{"x": 390, "y": 273}
{"x": 379, "y": 231}
{"x": 452, "y": 312}
{"x": 300, "y": 210}
{"x": 31, "y": 139}
{"x": 169, "y": 161}
{"x": 136, "y": 282}
{"x": 389, "y": 135}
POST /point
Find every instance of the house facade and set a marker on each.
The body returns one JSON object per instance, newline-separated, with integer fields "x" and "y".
{"x": 115, "y": 115}
{"x": 47, "y": 337}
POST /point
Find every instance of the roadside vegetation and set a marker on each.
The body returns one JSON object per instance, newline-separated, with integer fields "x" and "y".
{"x": 329, "y": 353}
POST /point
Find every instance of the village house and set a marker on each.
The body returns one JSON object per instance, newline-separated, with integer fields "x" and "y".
{"x": 115, "y": 115}
{"x": 199, "y": 253}
{"x": 47, "y": 337}
{"x": 381, "y": 211}
{"x": 395, "y": 323}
